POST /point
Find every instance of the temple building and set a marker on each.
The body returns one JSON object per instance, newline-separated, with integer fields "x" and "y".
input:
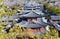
{"x": 32, "y": 17}
{"x": 34, "y": 20}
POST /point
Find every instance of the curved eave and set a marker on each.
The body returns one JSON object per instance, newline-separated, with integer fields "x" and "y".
{"x": 30, "y": 14}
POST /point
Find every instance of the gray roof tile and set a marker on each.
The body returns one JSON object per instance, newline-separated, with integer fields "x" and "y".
{"x": 22, "y": 22}
{"x": 55, "y": 17}
{"x": 30, "y": 14}
{"x": 40, "y": 21}
{"x": 32, "y": 25}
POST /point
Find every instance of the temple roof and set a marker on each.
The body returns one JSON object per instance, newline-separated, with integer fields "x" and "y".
{"x": 57, "y": 26}
{"x": 33, "y": 24}
{"x": 55, "y": 17}
{"x": 30, "y": 14}
{"x": 22, "y": 22}
{"x": 40, "y": 21}
{"x": 39, "y": 12}
{"x": 30, "y": 25}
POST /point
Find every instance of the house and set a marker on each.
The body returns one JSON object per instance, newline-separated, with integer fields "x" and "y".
{"x": 55, "y": 18}
{"x": 57, "y": 3}
{"x": 33, "y": 4}
{"x": 10, "y": 2}
{"x": 54, "y": 0}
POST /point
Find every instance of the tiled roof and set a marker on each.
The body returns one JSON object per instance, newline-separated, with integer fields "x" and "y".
{"x": 22, "y": 22}
{"x": 57, "y": 26}
{"x": 31, "y": 25}
{"x": 40, "y": 21}
{"x": 30, "y": 14}
{"x": 55, "y": 17}
{"x": 39, "y": 12}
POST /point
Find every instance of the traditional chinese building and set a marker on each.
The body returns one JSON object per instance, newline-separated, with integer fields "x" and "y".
{"x": 34, "y": 17}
